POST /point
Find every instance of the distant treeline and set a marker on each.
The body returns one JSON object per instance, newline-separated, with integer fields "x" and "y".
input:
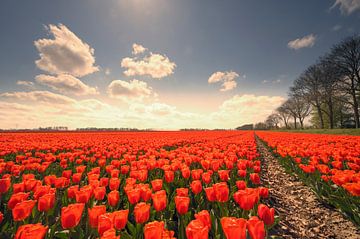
{"x": 328, "y": 92}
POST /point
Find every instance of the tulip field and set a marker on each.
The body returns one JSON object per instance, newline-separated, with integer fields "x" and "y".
{"x": 162, "y": 185}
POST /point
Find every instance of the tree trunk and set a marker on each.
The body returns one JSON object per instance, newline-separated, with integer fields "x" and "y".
{"x": 320, "y": 115}
{"x": 356, "y": 104}
{"x": 331, "y": 112}
{"x": 295, "y": 125}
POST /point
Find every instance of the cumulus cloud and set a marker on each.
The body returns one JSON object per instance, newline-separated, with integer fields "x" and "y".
{"x": 137, "y": 49}
{"x": 65, "y": 83}
{"x": 228, "y": 79}
{"x": 29, "y": 84}
{"x": 154, "y": 65}
{"x": 133, "y": 90}
{"x": 242, "y": 109}
{"x": 38, "y": 96}
{"x": 306, "y": 41}
{"x": 347, "y": 6}
{"x": 65, "y": 54}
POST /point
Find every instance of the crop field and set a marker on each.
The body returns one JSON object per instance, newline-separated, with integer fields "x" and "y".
{"x": 154, "y": 185}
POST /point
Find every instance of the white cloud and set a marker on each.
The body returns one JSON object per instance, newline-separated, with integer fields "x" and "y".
{"x": 133, "y": 90}
{"x": 306, "y": 41}
{"x": 228, "y": 79}
{"x": 65, "y": 83}
{"x": 29, "y": 84}
{"x": 137, "y": 49}
{"x": 107, "y": 71}
{"x": 38, "y": 96}
{"x": 243, "y": 109}
{"x": 347, "y": 6}
{"x": 155, "y": 65}
{"x": 65, "y": 54}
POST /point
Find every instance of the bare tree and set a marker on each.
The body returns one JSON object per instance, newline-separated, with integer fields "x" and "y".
{"x": 284, "y": 114}
{"x": 273, "y": 120}
{"x": 345, "y": 57}
{"x": 308, "y": 86}
{"x": 299, "y": 105}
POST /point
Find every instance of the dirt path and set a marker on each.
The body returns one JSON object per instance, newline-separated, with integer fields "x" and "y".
{"x": 302, "y": 214}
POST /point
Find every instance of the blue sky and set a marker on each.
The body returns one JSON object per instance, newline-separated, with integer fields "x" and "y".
{"x": 248, "y": 38}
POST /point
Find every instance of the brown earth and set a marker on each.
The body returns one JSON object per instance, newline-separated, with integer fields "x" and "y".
{"x": 302, "y": 215}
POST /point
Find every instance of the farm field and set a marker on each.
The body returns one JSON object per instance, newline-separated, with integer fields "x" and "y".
{"x": 197, "y": 184}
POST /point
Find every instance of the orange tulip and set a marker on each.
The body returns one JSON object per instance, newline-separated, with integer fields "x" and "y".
{"x": 31, "y": 231}
{"x": 196, "y": 186}
{"x": 23, "y": 210}
{"x": 204, "y": 216}
{"x": 266, "y": 214}
{"x": 94, "y": 214}
{"x": 5, "y": 184}
{"x": 71, "y": 215}
{"x": 46, "y": 202}
{"x": 234, "y": 228}
{"x": 159, "y": 200}
{"x": 142, "y": 212}
{"x": 113, "y": 198}
{"x": 256, "y": 228}
{"x": 154, "y": 230}
{"x": 120, "y": 219}
{"x": 156, "y": 184}
{"x": 197, "y": 230}
{"x": 182, "y": 204}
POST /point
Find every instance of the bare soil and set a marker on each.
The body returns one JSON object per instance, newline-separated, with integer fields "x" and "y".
{"x": 302, "y": 215}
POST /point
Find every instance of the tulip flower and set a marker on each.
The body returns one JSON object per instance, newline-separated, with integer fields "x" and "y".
{"x": 210, "y": 194}
{"x": 120, "y": 219}
{"x": 266, "y": 214}
{"x": 46, "y": 202}
{"x": 110, "y": 234}
{"x": 156, "y": 184}
{"x": 184, "y": 192}
{"x": 105, "y": 222}
{"x": 234, "y": 228}
{"x": 159, "y": 200}
{"x": 169, "y": 176}
{"x": 256, "y": 228}
{"x": 31, "y": 231}
{"x": 1, "y": 217}
{"x": 23, "y": 210}
{"x": 206, "y": 177}
{"x": 182, "y": 204}
{"x": 204, "y": 216}
{"x": 114, "y": 184}
{"x": 17, "y": 198}
{"x": 99, "y": 193}
{"x": 154, "y": 230}
{"x": 71, "y": 215}
{"x": 196, "y": 229}
{"x": 113, "y": 198}
{"x": 255, "y": 178}
{"x": 94, "y": 214}
{"x": 133, "y": 195}
{"x": 5, "y": 184}
{"x": 196, "y": 186}
{"x": 142, "y": 212}
{"x": 221, "y": 192}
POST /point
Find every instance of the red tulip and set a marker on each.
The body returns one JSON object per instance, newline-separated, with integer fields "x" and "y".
{"x": 224, "y": 175}
{"x": 221, "y": 191}
{"x": 182, "y": 204}
{"x": 94, "y": 214}
{"x": 99, "y": 193}
{"x": 31, "y": 231}
{"x": 1, "y": 217}
{"x": 46, "y": 202}
{"x": 159, "y": 200}
{"x": 204, "y": 216}
{"x": 206, "y": 177}
{"x": 105, "y": 222}
{"x": 169, "y": 176}
{"x": 156, "y": 184}
{"x": 256, "y": 228}
{"x": 71, "y": 192}
{"x": 133, "y": 195}
{"x": 142, "y": 212}
{"x": 210, "y": 194}
{"x": 196, "y": 186}
{"x": 234, "y": 228}
{"x": 5, "y": 184}
{"x": 241, "y": 184}
{"x": 264, "y": 192}
{"x": 114, "y": 184}
{"x": 184, "y": 192}
{"x": 255, "y": 179}
{"x": 120, "y": 219}
{"x": 154, "y": 230}
{"x": 71, "y": 215}
{"x": 23, "y": 210}
{"x": 113, "y": 198}
{"x": 17, "y": 198}
{"x": 266, "y": 214}
{"x": 110, "y": 234}
{"x": 196, "y": 229}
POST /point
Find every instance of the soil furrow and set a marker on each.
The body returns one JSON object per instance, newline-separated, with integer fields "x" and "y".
{"x": 302, "y": 214}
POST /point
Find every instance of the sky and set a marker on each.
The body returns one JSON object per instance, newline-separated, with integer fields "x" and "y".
{"x": 161, "y": 64}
